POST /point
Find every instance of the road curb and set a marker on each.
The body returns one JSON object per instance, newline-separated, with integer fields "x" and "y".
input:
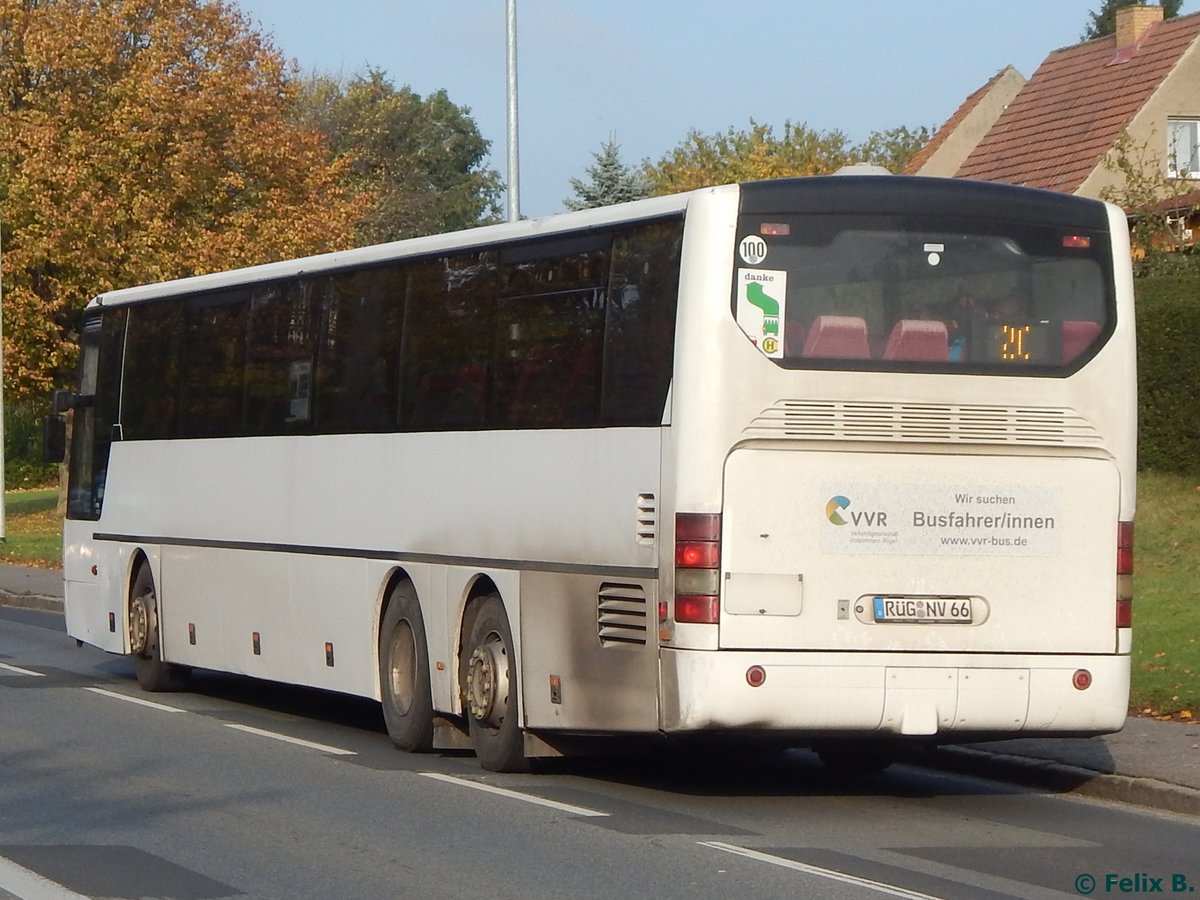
{"x": 1065, "y": 778}
{"x": 31, "y": 601}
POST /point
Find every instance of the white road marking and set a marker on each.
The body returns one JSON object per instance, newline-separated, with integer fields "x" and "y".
{"x": 162, "y": 707}
{"x": 311, "y": 745}
{"x": 515, "y": 795}
{"x": 832, "y": 874}
{"x": 27, "y": 885}
{"x": 18, "y": 670}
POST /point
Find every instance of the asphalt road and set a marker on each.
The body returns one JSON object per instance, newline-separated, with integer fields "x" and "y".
{"x": 241, "y": 788}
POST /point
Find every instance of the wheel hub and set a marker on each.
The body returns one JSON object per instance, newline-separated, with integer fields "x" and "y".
{"x": 403, "y": 664}
{"x": 487, "y": 683}
{"x": 139, "y": 624}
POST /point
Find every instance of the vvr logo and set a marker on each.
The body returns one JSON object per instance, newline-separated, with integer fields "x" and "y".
{"x": 836, "y": 512}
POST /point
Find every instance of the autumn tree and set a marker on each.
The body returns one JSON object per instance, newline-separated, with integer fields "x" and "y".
{"x": 609, "y": 181}
{"x": 420, "y": 159}
{"x": 1103, "y": 22}
{"x": 144, "y": 140}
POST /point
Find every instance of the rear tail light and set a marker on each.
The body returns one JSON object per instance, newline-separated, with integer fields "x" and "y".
{"x": 1124, "y": 574}
{"x": 697, "y": 568}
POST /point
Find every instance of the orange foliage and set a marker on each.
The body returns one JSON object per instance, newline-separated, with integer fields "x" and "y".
{"x": 144, "y": 140}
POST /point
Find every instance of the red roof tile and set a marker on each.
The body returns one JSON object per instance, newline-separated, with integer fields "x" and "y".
{"x": 1075, "y": 107}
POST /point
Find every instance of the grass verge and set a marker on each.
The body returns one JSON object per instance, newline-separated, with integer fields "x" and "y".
{"x": 34, "y": 532}
{"x": 1166, "y": 597}
{"x": 1166, "y": 607}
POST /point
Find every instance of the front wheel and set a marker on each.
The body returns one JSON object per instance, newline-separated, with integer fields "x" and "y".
{"x": 404, "y": 672}
{"x": 491, "y": 691}
{"x": 153, "y": 674}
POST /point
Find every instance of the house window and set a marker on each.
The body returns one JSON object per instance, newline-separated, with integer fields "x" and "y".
{"x": 1183, "y": 148}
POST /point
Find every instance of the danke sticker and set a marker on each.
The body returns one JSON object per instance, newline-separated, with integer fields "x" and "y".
{"x": 760, "y": 308}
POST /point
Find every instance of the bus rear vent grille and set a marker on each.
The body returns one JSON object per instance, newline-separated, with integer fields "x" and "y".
{"x": 647, "y": 519}
{"x": 621, "y": 615}
{"x": 923, "y": 422}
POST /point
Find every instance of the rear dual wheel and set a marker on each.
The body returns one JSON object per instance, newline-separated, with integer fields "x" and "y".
{"x": 489, "y": 679}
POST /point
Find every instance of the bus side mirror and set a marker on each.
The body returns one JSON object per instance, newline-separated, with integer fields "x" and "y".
{"x": 54, "y": 438}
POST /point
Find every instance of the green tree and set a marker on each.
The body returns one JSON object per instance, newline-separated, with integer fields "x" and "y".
{"x": 1103, "y": 22}
{"x": 1157, "y": 205}
{"x": 893, "y": 148}
{"x": 750, "y": 155}
{"x": 143, "y": 140}
{"x": 609, "y": 181}
{"x": 758, "y": 153}
{"x": 420, "y": 160}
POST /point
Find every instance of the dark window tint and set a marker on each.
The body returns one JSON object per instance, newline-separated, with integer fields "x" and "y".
{"x": 549, "y": 335}
{"x": 923, "y": 293}
{"x": 214, "y": 366}
{"x": 639, "y": 341}
{"x": 358, "y": 354}
{"x": 95, "y": 415}
{"x": 150, "y": 399}
{"x": 279, "y": 358}
{"x": 448, "y": 342}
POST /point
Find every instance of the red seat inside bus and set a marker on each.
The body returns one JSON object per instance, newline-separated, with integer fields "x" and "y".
{"x": 1077, "y": 336}
{"x": 838, "y": 337}
{"x": 918, "y": 339}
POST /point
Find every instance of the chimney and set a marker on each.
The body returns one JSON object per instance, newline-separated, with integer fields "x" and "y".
{"x": 1132, "y": 22}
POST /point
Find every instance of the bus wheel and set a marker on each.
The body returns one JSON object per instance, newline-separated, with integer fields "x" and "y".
{"x": 153, "y": 674}
{"x": 404, "y": 672}
{"x": 492, "y": 691}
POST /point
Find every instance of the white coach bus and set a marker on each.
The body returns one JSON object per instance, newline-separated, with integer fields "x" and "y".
{"x": 834, "y": 461}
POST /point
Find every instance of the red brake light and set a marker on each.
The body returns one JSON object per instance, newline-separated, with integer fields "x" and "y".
{"x": 1124, "y": 574}
{"x": 699, "y": 609}
{"x": 697, "y": 561}
{"x": 697, "y": 554}
{"x": 1124, "y": 548}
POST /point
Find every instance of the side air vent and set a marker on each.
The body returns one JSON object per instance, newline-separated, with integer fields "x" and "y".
{"x": 621, "y": 615}
{"x": 647, "y": 519}
{"x": 923, "y": 423}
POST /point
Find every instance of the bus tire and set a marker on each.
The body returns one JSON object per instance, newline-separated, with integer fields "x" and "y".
{"x": 489, "y": 680}
{"x": 153, "y": 674}
{"x": 404, "y": 688}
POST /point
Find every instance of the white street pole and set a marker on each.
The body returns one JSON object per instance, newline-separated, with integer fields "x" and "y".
{"x": 514, "y": 165}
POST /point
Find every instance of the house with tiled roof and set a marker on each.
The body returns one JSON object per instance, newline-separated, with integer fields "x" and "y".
{"x": 1136, "y": 93}
{"x": 951, "y": 144}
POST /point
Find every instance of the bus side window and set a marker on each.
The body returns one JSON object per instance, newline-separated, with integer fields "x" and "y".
{"x": 639, "y": 330}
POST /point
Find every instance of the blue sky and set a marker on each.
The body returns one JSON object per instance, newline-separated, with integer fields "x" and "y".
{"x": 648, "y": 71}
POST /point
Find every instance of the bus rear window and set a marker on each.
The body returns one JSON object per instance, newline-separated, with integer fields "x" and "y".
{"x": 922, "y": 294}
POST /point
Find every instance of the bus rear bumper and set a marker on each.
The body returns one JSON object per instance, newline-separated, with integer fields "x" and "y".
{"x": 938, "y": 696}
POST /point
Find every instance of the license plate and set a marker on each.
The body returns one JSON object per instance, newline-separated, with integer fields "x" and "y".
{"x": 924, "y": 610}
